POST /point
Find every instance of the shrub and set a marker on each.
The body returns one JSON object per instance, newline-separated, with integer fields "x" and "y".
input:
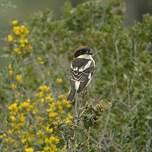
{"x": 123, "y": 77}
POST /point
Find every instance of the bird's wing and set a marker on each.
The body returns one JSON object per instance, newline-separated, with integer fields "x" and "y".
{"x": 81, "y": 68}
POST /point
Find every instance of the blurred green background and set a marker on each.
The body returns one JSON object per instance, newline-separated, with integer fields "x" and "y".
{"x": 22, "y": 9}
{"x": 123, "y": 75}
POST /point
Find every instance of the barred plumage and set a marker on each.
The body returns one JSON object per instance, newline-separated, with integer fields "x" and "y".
{"x": 82, "y": 68}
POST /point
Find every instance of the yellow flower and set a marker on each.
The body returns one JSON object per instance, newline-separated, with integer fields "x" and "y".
{"x": 48, "y": 129}
{"x": 40, "y": 133}
{"x": 59, "y": 106}
{"x": 25, "y": 104}
{"x": 23, "y": 40}
{"x": 53, "y": 115}
{"x": 19, "y": 78}
{"x": 10, "y": 38}
{"x": 14, "y": 22}
{"x": 16, "y": 30}
{"x": 59, "y": 81}
{"x": 24, "y": 29}
{"x": 22, "y": 45}
{"x": 68, "y": 119}
{"x": 28, "y": 120}
{"x": 66, "y": 103}
{"x": 12, "y": 118}
{"x": 53, "y": 148}
{"x": 63, "y": 96}
{"x": 49, "y": 98}
{"x": 44, "y": 88}
{"x": 13, "y": 107}
{"x": 40, "y": 60}
{"x": 13, "y": 86}
{"x": 46, "y": 149}
{"x": 29, "y": 149}
{"x": 52, "y": 140}
{"x": 17, "y": 50}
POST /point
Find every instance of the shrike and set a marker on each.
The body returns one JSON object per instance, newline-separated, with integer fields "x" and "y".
{"x": 82, "y": 68}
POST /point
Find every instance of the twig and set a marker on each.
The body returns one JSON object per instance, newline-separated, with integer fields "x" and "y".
{"x": 76, "y": 119}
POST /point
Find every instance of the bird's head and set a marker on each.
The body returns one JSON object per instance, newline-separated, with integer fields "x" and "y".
{"x": 83, "y": 50}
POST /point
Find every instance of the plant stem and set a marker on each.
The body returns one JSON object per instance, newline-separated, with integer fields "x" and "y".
{"x": 76, "y": 117}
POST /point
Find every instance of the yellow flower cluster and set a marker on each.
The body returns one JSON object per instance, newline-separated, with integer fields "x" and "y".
{"x": 33, "y": 123}
{"x": 10, "y": 38}
{"x": 19, "y": 78}
{"x": 28, "y": 149}
{"x": 19, "y": 38}
{"x": 13, "y": 107}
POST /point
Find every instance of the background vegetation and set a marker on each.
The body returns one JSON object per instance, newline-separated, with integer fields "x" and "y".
{"x": 34, "y": 82}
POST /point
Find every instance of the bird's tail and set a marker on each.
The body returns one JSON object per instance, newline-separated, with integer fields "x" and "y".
{"x": 71, "y": 94}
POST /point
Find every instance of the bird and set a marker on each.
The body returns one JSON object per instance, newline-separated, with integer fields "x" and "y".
{"x": 81, "y": 69}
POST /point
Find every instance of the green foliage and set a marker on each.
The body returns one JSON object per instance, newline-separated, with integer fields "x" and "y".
{"x": 7, "y": 4}
{"x": 123, "y": 73}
